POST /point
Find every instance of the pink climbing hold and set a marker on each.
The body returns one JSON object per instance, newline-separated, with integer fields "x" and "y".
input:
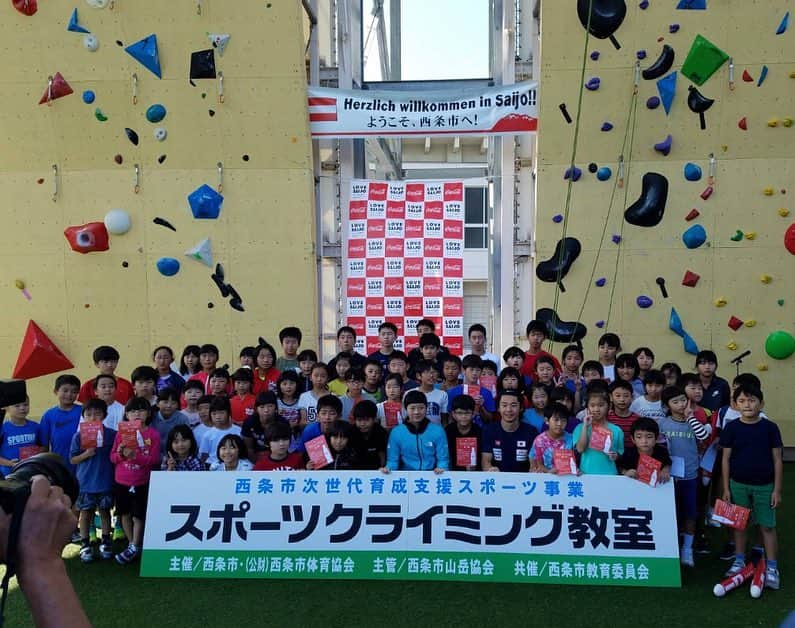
{"x": 743, "y": 124}
{"x": 707, "y": 193}
{"x": 789, "y": 238}
{"x": 692, "y": 214}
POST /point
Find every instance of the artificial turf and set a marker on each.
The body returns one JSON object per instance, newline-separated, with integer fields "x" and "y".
{"x": 115, "y": 596}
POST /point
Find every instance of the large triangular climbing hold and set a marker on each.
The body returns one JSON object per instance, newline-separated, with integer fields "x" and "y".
{"x": 74, "y": 26}
{"x": 38, "y": 355}
{"x": 202, "y": 252}
{"x": 57, "y": 87}
{"x": 692, "y": 5}
{"x": 145, "y": 52}
{"x": 666, "y": 87}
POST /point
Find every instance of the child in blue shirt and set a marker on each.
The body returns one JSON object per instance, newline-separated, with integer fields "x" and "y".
{"x": 95, "y": 475}
{"x": 417, "y": 444}
{"x": 59, "y": 423}
{"x": 16, "y": 432}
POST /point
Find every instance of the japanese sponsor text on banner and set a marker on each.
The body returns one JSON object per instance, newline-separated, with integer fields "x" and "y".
{"x": 498, "y": 527}
{"x": 505, "y": 110}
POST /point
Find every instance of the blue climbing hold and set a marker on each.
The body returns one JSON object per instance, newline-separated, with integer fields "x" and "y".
{"x": 690, "y": 345}
{"x": 692, "y": 5}
{"x": 168, "y": 266}
{"x": 89, "y": 96}
{"x": 593, "y": 84}
{"x": 762, "y": 76}
{"x": 673, "y": 28}
{"x": 666, "y": 86}
{"x": 595, "y": 55}
{"x": 653, "y": 102}
{"x": 692, "y": 171}
{"x": 146, "y": 53}
{"x": 155, "y": 113}
{"x": 782, "y": 28}
{"x": 600, "y": 282}
{"x": 607, "y": 126}
{"x": 574, "y": 174}
{"x": 644, "y": 4}
{"x": 604, "y": 173}
{"x": 644, "y": 302}
{"x": 600, "y": 324}
{"x": 640, "y": 54}
{"x": 694, "y": 237}
{"x": 664, "y": 147}
{"x": 616, "y": 238}
{"x": 74, "y": 26}
{"x": 205, "y": 202}
{"x": 557, "y": 218}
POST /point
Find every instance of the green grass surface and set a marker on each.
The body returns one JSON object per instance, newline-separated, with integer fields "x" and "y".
{"x": 115, "y": 596}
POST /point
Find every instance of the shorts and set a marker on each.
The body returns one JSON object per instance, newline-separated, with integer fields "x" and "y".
{"x": 757, "y": 498}
{"x": 131, "y": 503}
{"x": 94, "y": 501}
{"x": 685, "y": 492}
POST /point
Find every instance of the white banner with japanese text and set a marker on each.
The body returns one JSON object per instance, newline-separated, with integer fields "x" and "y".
{"x": 504, "y": 110}
{"x": 494, "y": 527}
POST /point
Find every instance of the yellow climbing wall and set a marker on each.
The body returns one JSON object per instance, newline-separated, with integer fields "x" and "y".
{"x": 264, "y": 236}
{"x": 748, "y": 161}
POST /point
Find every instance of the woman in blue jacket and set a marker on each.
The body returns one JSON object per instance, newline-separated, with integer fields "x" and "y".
{"x": 417, "y": 444}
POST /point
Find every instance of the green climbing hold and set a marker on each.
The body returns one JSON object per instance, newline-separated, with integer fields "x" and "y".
{"x": 780, "y": 345}
{"x": 703, "y": 60}
{"x": 780, "y": 302}
{"x": 738, "y": 235}
{"x": 99, "y": 115}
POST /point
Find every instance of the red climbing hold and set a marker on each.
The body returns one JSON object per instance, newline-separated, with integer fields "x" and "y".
{"x": 789, "y": 239}
{"x": 747, "y": 77}
{"x": 693, "y": 214}
{"x": 690, "y": 279}
{"x": 26, "y": 7}
{"x": 743, "y": 124}
{"x": 735, "y": 323}
{"x": 38, "y": 355}
{"x": 58, "y": 88}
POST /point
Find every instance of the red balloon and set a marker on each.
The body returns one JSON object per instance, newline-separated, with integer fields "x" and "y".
{"x": 26, "y": 7}
{"x": 789, "y": 239}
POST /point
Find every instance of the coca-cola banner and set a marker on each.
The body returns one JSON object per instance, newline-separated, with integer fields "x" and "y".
{"x": 405, "y": 260}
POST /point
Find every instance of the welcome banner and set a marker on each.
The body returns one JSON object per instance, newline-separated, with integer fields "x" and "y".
{"x": 505, "y": 110}
{"x": 485, "y": 527}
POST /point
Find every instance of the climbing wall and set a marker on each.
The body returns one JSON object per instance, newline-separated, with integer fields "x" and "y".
{"x": 716, "y": 244}
{"x": 69, "y": 162}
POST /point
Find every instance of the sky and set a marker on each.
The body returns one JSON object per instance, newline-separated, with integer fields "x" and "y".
{"x": 441, "y": 39}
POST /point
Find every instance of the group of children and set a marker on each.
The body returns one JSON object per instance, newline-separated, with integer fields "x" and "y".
{"x": 425, "y": 410}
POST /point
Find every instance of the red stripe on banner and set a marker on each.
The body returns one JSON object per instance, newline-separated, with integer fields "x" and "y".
{"x": 322, "y": 101}
{"x": 322, "y": 117}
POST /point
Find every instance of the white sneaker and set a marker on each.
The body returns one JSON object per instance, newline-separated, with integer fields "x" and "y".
{"x": 737, "y": 567}
{"x": 771, "y": 579}
{"x": 686, "y": 557}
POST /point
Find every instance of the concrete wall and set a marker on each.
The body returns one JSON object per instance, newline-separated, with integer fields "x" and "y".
{"x": 747, "y": 163}
{"x": 264, "y": 236}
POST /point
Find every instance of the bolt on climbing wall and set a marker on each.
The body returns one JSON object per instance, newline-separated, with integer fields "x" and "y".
{"x": 675, "y": 226}
{"x": 157, "y": 182}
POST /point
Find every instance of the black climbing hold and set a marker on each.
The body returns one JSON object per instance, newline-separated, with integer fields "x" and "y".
{"x": 120, "y": 43}
{"x": 210, "y": 305}
{"x": 698, "y": 103}
{"x": 592, "y": 168}
{"x": 661, "y": 65}
{"x": 132, "y": 136}
{"x": 163, "y": 223}
{"x": 125, "y": 264}
{"x": 245, "y": 157}
{"x": 606, "y": 17}
{"x": 557, "y": 267}
{"x": 648, "y": 210}
{"x": 212, "y": 113}
{"x": 202, "y": 64}
{"x": 560, "y": 331}
{"x": 661, "y": 282}
{"x": 161, "y": 159}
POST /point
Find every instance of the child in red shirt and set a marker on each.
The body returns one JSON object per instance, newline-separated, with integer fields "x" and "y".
{"x": 242, "y": 402}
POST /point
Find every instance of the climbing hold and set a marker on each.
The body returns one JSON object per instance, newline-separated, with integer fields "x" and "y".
{"x": 163, "y": 223}
{"x": 648, "y": 210}
{"x": 211, "y": 112}
{"x": 762, "y": 76}
{"x": 168, "y": 266}
{"x": 156, "y": 113}
{"x": 560, "y": 331}
{"x": 698, "y": 103}
{"x": 604, "y": 173}
{"x": 692, "y": 171}
{"x": 87, "y": 238}
{"x": 20, "y": 285}
{"x": 219, "y": 41}
{"x": 57, "y": 87}
{"x": 750, "y": 323}
{"x": 245, "y": 158}
{"x": 202, "y": 64}
{"x": 772, "y": 122}
{"x": 90, "y": 43}
{"x": 692, "y": 214}
{"x": 595, "y": 55}
{"x": 737, "y": 237}
{"x": 768, "y": 191}
{"x": 731, "y": 346}
{"x": 661, "y": 65}
{"x": 787, "y": 122}
{"x": 660, "y": 281}
{"x": 644, "y": 4}
{"x": 783, "y": 212}
{"x": 666, "y": 87}
{"x": 99, "y": 115}
{"x": 735, "y": 323}
{"x": 39, "y": 355}
{"x": 600, "y": 324}
{"x": 692, "y": 5}
{"x": 703, "y": 59}
{"x": 607, "y": 126}
{"x": 125, "y": 264}
{"x": 644, "y": 302}
{"x": 750, "y": 235}
{"x": 600, "y": 282}
{"x": 782, "y": 27}
{"x": 720, "y": 302}
{"x": 602, "y": 18}
{"x": 205, "y": 202}
{"x": 664, "y": 147}
{"x": 89, "y": 96}
{"x": 160, "y": 134}
{"x": 132, "y": 136}
{"x": 707, "y": 192}
{"x": 747, "y": 77}
{"x": 673, "y": 28}
{"x": 690, "y": 279}
{"x": 557, "y": 218}
{"x": 210, "y": 305}
{"x": 694, "y": 237}
{"x": 592, "y": 168}
{"x": 789, "y": 238}
{"x": 640, "y": 54}
{"x": 761, "y": 367}
{"x": 146, "y": 53}
{"x": 779, "y": 345}
{"x": 593, "y": 83}
{"x": 26, "y": 7}
{"x": 567, "y": 250}
{"x": 74, "y": 25}
{"x": 97, "y": 4}
{"x": 202, "y": 252}
{"x": 573, "y": 174}
{"x": 766, "y": 279}
{"x": 743, "y": 124}
{"x": 675, "y": 325}
{"x": 161, "y": 159}
{"x": 616, "y": 238}
{"x": 652, "y": 102}
{"x": 117, "y": 221}
{"x": 565, "y": 112}
{"x": 118, "y": 159}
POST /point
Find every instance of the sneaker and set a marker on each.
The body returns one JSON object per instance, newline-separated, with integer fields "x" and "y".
{"x": 76, "y": 538}
{"x": 86, "y": 554}
{"x": 757, "y": 554}
{"x": 701, "y": 546}
{"x": 686, "y": 557}
{"x": 737, "y": 567}
{"x": 106, "y": 551}
{"x": 771, "y": 579}
{"x": 127, "y": 556}
{"x": 727, "y": 553}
